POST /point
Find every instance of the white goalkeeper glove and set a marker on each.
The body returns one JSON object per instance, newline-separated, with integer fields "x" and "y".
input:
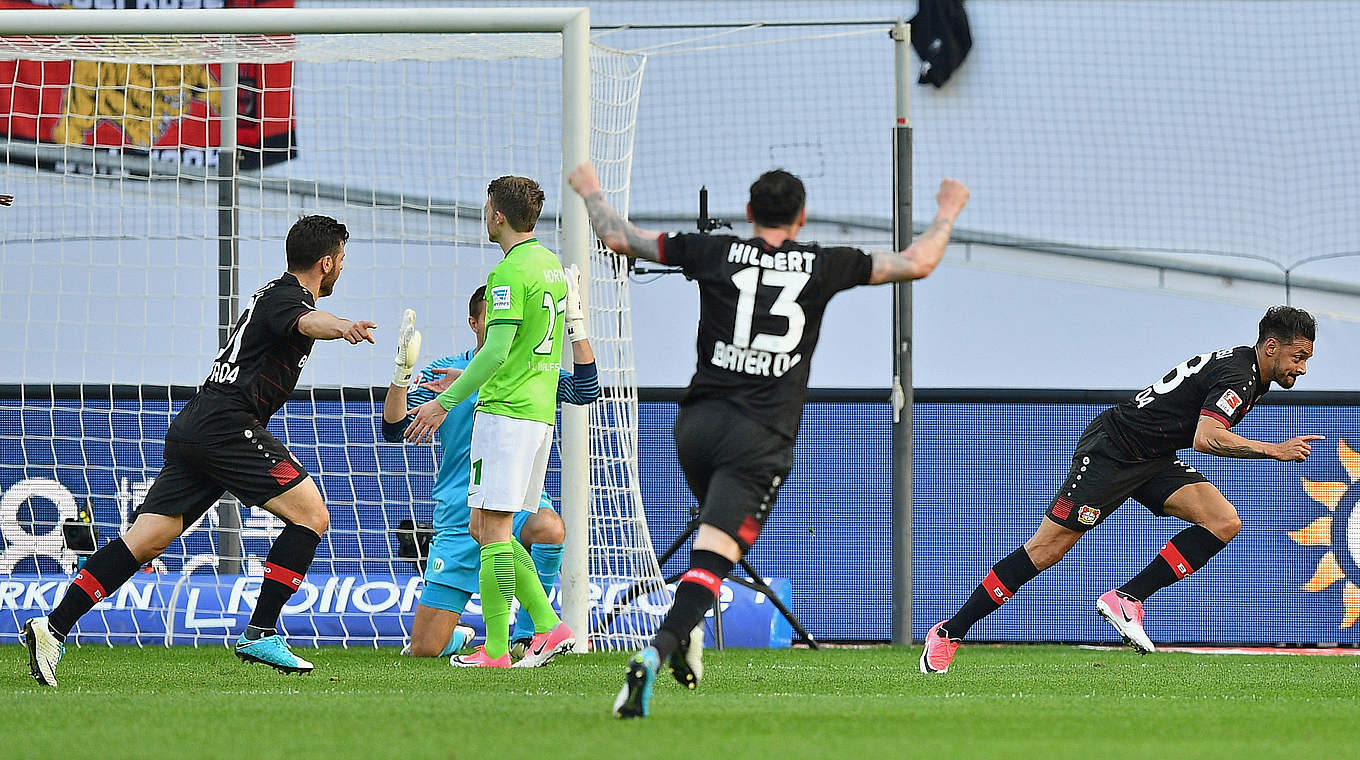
{"x": 575, "y": 317}
{"x": 408, "y": 349}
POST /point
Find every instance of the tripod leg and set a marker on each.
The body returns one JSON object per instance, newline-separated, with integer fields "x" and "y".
{"x": 644, "y": 587}
{"x": 717, "y": 621}
{"x": 757, "y": 583}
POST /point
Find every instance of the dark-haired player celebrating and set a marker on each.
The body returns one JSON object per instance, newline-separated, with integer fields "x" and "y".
{"x": 1129, "y": 450}
{"x": 218, "y": 442}
{"x": 761, "y": 301}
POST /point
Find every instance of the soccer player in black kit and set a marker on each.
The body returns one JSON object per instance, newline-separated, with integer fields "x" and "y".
{"x": 761, "y": 301}
{"x": 218, "y": 442}
{"x": 1129, "y": 451}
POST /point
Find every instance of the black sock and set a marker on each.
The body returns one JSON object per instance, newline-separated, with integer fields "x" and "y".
{"x": 1185, "y": 553}
{"x": 103, "y": 573}
{"x": 1005, "y": 578}
{"x": 284, "y": 568}
{"x": 698, "y": 589}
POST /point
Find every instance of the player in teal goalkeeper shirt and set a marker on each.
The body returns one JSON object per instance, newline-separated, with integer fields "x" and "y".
{"x": 453, "y": 562}
{"x": 517, "y": 373}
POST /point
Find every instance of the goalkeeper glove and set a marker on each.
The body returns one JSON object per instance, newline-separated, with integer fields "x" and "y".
{"x": 408, "y": 349}
{"x": 575, "y": 316}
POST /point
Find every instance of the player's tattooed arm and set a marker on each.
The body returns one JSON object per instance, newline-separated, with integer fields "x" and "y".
{"x": 925, "y": 252}
{"x": 617, "y": 233}
{"x": 1212, "y": 437}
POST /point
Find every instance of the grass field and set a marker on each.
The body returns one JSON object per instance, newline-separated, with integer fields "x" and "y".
{"x": 1030, "y": 701}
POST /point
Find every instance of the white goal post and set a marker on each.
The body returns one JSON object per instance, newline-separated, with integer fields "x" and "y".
{"x": 607, "y": 542}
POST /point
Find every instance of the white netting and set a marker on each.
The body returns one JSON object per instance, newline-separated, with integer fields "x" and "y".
{"x": 111, "y": 269}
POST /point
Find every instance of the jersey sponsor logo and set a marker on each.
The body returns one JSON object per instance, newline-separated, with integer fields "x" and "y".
{"x": 1229, "y": 402}
{"x": 751, "y": 361}
{"x": 303, "y": 361}
{"x": 500, "y": 297}
{"x": 1088, "y": 515}
{"x": 780, "y": 261}
{"x": 1223, "y": 353}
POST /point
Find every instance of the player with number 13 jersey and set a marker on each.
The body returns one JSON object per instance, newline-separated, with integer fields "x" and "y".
{"x": 761, "y": 301}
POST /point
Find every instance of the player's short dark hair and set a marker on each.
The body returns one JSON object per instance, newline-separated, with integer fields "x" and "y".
{"x": 477, "y": 303}
{"x": 312, "y": 237}
{"x": 519, "y": 198}
{"x": 1286, "y": 324}
{"x": 776, "y": 198}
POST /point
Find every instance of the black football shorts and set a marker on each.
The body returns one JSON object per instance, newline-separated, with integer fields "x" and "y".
{"x": 734, "y": 466}
{"x": 1103, "y": 477}
{"x": 253, "y": 466}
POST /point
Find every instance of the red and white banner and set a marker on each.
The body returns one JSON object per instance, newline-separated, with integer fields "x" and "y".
{"x": 168, "y": 112}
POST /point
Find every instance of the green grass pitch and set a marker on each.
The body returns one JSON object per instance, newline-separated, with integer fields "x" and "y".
{"x": 1026, "y": 701}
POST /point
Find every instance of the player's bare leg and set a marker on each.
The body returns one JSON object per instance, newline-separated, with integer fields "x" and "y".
{"x": 1049, "y": 544}
{"x": 105, "y": 571}
{"x": 436, "y": 633}
{"x": 1215, "y": 523}
{"x": 305, "y": 519}
{"x": 150, "y": 535}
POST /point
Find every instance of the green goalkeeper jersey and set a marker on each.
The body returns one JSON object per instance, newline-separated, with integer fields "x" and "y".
{"x": 529, "y": 289}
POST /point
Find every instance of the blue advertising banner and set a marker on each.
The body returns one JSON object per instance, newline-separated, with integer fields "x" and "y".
{"x": 985, "y": 472}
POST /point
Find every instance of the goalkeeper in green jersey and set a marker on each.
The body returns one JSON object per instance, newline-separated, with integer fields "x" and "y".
{"x": 515, "y": 375}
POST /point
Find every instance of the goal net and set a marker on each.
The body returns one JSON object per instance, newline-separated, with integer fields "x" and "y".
{"x": 155, "y": 177}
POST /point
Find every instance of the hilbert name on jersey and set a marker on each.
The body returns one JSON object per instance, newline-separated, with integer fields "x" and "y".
{"x": 781, "y": 261}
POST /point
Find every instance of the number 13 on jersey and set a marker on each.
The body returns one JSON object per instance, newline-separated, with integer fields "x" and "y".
{"x": 790, "y": 285}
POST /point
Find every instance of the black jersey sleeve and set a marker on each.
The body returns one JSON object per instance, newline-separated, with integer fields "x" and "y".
{"x": 694, "y": 253}
{"x": 281, "y": 307}
{"x": 848, "y": 267}
{"x": 1229, "y": 396}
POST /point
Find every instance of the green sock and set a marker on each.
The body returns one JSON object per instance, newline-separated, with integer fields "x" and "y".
{"x": 497, "y": 578}
{"x": 529, "y": 591}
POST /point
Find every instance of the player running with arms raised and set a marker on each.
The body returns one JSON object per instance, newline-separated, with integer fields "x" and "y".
{"x": 218, "y": 442}
{"x": 517, "y": 371}
{"x": 761, "y": 301}
{"x": 452, "y": 566}
{"x": 1129, "y": 451}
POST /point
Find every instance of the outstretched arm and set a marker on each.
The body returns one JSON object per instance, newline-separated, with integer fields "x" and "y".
{"x": 1212, "y": 437}
{"x": 617, "y": 233}
{"x": 323, "y": 325}
{"x": 925, "y": 252}
{"x": 430, "y": 415}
